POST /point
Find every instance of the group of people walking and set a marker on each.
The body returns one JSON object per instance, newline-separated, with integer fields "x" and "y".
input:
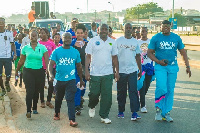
{"x": 71, "y": 59}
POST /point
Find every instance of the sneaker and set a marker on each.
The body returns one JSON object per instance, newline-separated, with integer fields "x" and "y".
{"x": 20, "y": 85}
{"x": 73, "y": 123}
{"x": 35, "y": 112}
{"x": 16, "y": 83}
{"x": 144, "y": 109}
{"x": 120, "y": 115}
{"x": 7, "y": 86}
{"x": 92, "y": 112}
{"x": 158, "y": 116}
{"x": 81, "y": 106}
{"x": 56, "y": 117}
{"x": 42, "y": 105}
{"x": 167, "y": 118}
{"x": 49, "y": 104}
{"x": 3, "y": 92}
{"x": 78, "y": 110}
{"x": 106, "y": 120}
{"x": 28, "y": 115}
{"x": 135, "y": 116}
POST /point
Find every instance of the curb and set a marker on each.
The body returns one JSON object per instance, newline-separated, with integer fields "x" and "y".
{"x": 6, "y": 117}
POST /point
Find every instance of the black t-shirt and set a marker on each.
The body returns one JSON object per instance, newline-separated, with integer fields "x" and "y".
{"x": 82, "y": 53}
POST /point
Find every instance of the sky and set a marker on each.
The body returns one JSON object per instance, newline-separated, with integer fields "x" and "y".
{"x": 9, "y": 7}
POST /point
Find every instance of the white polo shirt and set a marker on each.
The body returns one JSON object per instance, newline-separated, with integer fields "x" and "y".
{"x": 127, "y": 50}
{"x": 5, "y": 46}
{"x": 144, "y": 47}
{"x": 101, "y": 55}
{"x": 25, "y": 41}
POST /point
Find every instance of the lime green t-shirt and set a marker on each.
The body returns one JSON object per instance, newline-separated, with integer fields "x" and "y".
{"x": 33, "y": 57}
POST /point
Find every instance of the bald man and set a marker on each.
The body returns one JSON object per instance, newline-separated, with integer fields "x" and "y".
{"x": 66, "y": 59}
{"x": 128, "y": 67}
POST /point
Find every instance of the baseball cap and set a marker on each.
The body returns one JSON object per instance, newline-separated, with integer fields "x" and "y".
{"x": 74, "y": 19}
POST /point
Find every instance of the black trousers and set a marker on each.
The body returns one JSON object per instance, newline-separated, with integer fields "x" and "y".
{"x": 144, "y": 89}
{"x": 51, "y": 88}
{"x": 67, "y": 89}
{"x": 128, "y": 81}
{"x": 33, "y": 80}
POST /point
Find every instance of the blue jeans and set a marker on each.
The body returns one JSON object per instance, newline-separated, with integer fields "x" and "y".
{"x": 165, "y": 84}
{"x": 67, "y": 88}
{"x": 7, "y": 63}
{"x": 127, "y": 81}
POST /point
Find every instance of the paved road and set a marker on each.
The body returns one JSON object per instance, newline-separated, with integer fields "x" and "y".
{"x": 185, "y": 114}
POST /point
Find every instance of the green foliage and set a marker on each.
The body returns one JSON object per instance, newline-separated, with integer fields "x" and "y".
{"x": 143, "y": 11}
{"x": 181, "y": 20}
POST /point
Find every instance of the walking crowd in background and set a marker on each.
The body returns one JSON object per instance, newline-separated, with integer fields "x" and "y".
{"x": 71, "y": 59}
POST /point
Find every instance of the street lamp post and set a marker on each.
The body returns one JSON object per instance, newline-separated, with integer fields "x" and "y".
{"x": 138, "y": 15}
{"x": 173, "y": 10}
{"x": 109, "y": 13}
{"x": 112, "y": 5}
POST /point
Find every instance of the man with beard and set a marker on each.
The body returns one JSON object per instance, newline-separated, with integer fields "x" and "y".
{"x": 101, "y": 54}
{"x": 163, "y": 50}
{"x": 66, "y": 59}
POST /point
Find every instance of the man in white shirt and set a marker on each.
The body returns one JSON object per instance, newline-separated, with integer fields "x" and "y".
{"x": 129, "y": 62}
{"x": 6, "y": 46}
{"x": 93, "y": 32}
{"x": 101, "y": 54}
{"x": 26, "y": 39}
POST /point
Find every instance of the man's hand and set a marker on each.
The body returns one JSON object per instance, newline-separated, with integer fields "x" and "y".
{"x": 16, "y": 73}
{"x": 162, "y": 63}
{"x": 82, "y": 83}
{"x": 117, "y": 77}
{"x": 139, "y": 75}
{"x": 14, "y": 57}
{"x": 51, "y": 78}
{"x": 87, "y": 75}
{"x": 188, "y": 71}
{"x": 46, "y": 71}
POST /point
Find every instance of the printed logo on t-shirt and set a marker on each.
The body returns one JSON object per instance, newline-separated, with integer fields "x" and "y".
{"x": 132, "y": 48}
{"x": 144, "y": 47}
{"x": 67, "y": 76}
{"x": 72, "y": 72}
{"x": 167, "y": 45}
{"x": 66, "y": 61}
{"x": 97, "y": 43}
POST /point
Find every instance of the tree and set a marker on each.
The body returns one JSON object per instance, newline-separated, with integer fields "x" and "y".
{"x": 143, "y": 11}
{"x": 181, "y": 20}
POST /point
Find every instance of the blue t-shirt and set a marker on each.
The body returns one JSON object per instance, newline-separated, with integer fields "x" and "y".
{"x": 66, "y": 60}
{"x": 18, "y": 50}
{"x": 166, "y": 47}
{"x": 73, "y": 34}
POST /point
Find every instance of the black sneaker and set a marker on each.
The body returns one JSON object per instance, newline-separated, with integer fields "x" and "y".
{"x": 78, "y": 110}
{"x": 28, "y": 115}
{"x": 7, "y": 86}
{"x": 16, "y": 83}
{"x": 20, "y": 85}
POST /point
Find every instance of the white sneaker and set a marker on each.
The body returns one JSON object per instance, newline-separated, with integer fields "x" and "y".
{"x": 106, "y": 120}
{"x": 92, "y": 112}
{"x": 144, "y": 109}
